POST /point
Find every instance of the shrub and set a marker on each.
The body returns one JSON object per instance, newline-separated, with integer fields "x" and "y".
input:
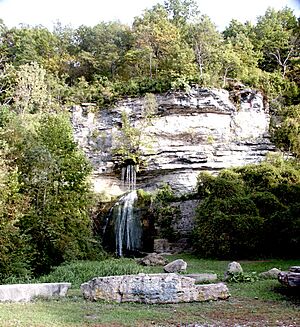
{"x": 242, "y": 277}
{"x": 227, "y": 184}
{"x": 249, "y": 211}
{"x": 227, "y": 228}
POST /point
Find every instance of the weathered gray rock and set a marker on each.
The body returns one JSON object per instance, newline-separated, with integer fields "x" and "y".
{"x": 162, "y": 245}
{"x": 290, "y": 278}
{"x": 232, "y": 269}
{"x": 26, "y": 292}
{"x": 178, "y": 265}
{"x": 152, "y": 288}
{"x": 270, "y": 274}
{"x": 203, "y": 278}
{"x": 295, "y": 269}
{"x": 153, "y": 259}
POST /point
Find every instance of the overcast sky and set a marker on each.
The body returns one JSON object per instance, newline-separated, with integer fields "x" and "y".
{"x": 91, "y": 12}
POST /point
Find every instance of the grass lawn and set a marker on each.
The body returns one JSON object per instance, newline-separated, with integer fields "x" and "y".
{"x": 261, "y": 303}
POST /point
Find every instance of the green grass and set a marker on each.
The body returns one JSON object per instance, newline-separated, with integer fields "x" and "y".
{"x": 262, "y": 303}
{"x": 78, "y": 272}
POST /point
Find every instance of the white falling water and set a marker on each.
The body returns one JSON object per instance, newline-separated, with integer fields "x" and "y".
{"x": 128, "y": 230}
{"x": 128, "y": 177}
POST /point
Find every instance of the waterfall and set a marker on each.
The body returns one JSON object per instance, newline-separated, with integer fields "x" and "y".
{"x": 123, "y": 219}
{"x": 128, "y": 229}
{"x": 128, "y": 177}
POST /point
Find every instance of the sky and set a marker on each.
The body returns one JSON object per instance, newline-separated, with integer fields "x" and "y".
{"x": 90, "y": 12}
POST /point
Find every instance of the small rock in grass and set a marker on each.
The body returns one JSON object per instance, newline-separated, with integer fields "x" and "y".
{"x": 203, "y": 278}
{"x": 233, "y": 268}
{"x": 270, "y": 274}
{"x": 153, "y": 259}
{"x": 176, "y": 266}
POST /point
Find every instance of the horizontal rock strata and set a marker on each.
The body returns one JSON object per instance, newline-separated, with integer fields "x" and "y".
{"x": 151, "y": 288}
{"x": 26, "y": 292}
{"x": 190, "y": 132}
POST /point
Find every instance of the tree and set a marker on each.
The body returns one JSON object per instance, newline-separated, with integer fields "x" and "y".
{"x": 287, "y": 134}
{"x": 276, "y": 38}
{"x": 160, "y": 44}
{"x": 181, "y": 11}
{"x": 31, "y": 94}
{"x": 251, "y": 210}
{"x": 101, "y": 49}
{"x": 14, "y": 249}
{"x": 206, "y": 41}
{"x": 53, "y": 177}
{"x": 29, "y": 44}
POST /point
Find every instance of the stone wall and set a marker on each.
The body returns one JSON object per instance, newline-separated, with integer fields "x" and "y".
{"x": 185, "y": 223}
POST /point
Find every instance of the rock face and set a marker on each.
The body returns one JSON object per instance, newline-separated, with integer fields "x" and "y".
{"x": 26, "y": 292}
{"x": 152, "y": 288}
{"x": 162, "y": 245}
{"x": 176, "y": 266}
{"x": 190, "y": 132}
{"x": 185, "y": 222}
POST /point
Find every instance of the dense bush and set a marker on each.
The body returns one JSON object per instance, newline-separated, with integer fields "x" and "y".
{"x": 251, "y": 211}
{"x": 45, "y": 195}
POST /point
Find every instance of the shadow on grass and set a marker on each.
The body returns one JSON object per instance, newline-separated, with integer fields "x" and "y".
{"x": 289, "y": 294}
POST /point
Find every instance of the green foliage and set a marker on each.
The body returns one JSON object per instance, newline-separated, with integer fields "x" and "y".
{"x": 227, "y": 228}
{"x": 242, "y": 277}
{"x": 287, "y": 134}
{"x": 52, "y": 177}
{"x": 227, "y": 184}
{"x": 165, "y": 214}
{"x": 251, "y": 211}
{"x": 13, "y": 244}
{"x": 168, "y": 46}
{"x": 165, "y": 218}
{"x": 78, "y": 272}
{"x": 164, "y": 194}
{"x": 128, "y": 143}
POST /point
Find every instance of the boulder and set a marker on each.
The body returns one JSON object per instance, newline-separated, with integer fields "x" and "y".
{"x": 153, "y": 259}
{"x": 26, "y": 292}
{"x": 203, "y": 278}
{"x": 290, "y": 278}
{"x": 270, "y": 274}
{"x": 233, "y": 269}
{"x": 295, "y": 269}
{"x": 176, "y": 266}
{"x": 151, "y": 289}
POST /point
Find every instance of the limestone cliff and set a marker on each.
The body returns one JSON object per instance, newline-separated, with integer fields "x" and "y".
{"x": 190, "y": 132}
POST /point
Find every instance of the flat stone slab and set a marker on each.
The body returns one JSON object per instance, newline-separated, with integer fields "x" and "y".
{"x": 152, "y": 288}
{"x": 270, "y": 274}
{"x": 202, "y": 278}
{"x": 26, "y": 292}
